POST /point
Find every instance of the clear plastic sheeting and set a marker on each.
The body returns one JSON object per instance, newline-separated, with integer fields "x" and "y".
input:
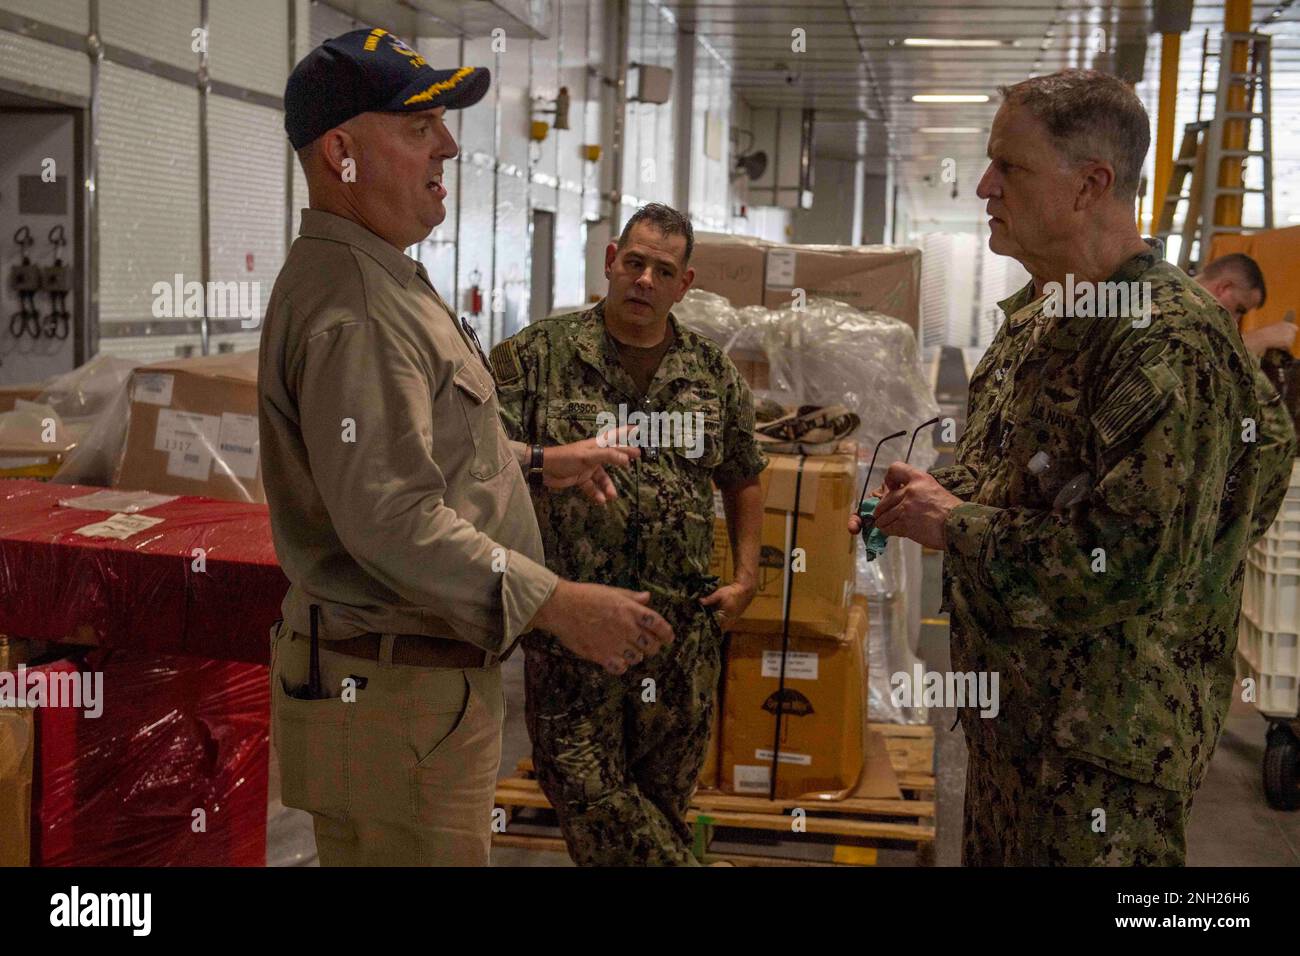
{"x": 830, "y": 354}
{"x": 892, "y": 585}
{"x": 66, "y": 408}
{"x": 97, "y": 396}
{"x": 192, "y": 576}
{"x": 81, "y": 395}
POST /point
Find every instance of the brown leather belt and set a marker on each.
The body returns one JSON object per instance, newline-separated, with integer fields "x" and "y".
{"x": 420, "y": 650}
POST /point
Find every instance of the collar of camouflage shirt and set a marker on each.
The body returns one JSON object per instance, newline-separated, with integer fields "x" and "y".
{"x": 1069, "y": 332}
{"x": 596, "y": 347}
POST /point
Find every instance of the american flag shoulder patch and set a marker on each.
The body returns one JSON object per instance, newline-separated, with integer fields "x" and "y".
{"x": 1132, "y": 406}
{"x": 506, "y": 367}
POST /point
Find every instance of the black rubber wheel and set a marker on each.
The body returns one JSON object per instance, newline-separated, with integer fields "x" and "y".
{"x": 1282, "y": 769}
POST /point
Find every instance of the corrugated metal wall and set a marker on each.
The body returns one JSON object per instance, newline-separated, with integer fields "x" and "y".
{"x": 25, "y": 60}
{"x": 149, "y": 181}
{"x": 148, "y": 189}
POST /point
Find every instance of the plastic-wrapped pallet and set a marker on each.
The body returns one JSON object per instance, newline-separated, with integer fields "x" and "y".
{"x": 829, "y": 353}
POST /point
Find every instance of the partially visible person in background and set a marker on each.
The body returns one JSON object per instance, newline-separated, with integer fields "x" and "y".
{"x": 1237, "y": 284}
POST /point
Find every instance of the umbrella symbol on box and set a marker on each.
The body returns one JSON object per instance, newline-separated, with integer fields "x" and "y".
{"x": 788, "y": 701}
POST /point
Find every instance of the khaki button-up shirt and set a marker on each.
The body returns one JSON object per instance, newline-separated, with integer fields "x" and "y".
{"x": 396, "y": 502}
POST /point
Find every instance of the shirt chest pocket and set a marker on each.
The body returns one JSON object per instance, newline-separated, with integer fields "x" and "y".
{"x": 692, "y": 429}
{"x": 474, "y": 391}
{"x": 569, "y": 420}
{"x": 1046, "y": 447}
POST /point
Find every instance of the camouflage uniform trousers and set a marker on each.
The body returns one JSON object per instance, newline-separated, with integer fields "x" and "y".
{"x": 1038, "y": 808}
{"x": 620, "y": 769}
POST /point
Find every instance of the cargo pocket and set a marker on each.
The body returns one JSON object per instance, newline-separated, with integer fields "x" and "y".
{"x": 475, "y": 390}
{"x": 311, "y": 737}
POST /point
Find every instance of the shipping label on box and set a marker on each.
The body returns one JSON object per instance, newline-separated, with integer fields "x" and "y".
{"x": 152, "y": 387}
{"x": 797, "y": 666}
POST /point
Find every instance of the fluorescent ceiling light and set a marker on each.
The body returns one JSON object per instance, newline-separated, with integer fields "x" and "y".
{"x": 950, "y": 129}
{"x": 945, "y": 42}
{"x": 950, "y": 98}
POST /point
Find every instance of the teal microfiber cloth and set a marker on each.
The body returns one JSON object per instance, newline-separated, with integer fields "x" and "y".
{"x": 876, "y": 539}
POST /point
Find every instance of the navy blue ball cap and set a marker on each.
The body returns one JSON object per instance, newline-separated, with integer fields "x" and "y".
{"x": 368, "y": 71}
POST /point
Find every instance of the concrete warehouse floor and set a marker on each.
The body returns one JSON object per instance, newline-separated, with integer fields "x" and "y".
{"x": 1231, "y": 823}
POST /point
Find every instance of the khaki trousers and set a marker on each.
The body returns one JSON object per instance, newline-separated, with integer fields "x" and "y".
{"x": 398, "y": 766}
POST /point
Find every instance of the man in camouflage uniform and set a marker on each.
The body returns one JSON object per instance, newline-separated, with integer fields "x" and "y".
{"x": 1237, "y": 284}
{"x": 1096, "y": 520}
{"x": 618, "y": 756}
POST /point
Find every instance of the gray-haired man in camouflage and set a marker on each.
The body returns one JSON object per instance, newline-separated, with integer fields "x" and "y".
{"x": 618, "y": 756}
{"x": 1096, "y": 521}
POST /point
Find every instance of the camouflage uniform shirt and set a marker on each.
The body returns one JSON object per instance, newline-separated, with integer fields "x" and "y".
{"x": 558, "y": 380}
{"x": 1097, "y": 560}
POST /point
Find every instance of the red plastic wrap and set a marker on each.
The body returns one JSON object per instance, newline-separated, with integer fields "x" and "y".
{"x": 175, "y": 735}
{"x": 141, "y": 593}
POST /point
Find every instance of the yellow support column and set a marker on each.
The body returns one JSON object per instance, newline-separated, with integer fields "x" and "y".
{"x": 1227, "y": 209}
{"x": 1167, "y": 104}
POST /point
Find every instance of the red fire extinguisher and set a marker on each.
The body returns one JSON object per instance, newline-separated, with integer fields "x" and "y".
{"x": 475, "y": 293}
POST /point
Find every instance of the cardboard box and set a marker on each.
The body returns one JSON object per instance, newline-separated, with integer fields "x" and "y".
{"x": 17, "y": 759}
{"x": 885, "y": 279}
{"x": 193, "y": 429}
{"x": 33, "y": 440}
{"x": 13, "y": 651}
{"x": 709, "y": 775}
{"x": 823, "y": 712}
{"x": 731, "y": 266}
{"x": 822, "y": 574}
{"x": 748, "y": 271}
{"x": 9, "y": 394}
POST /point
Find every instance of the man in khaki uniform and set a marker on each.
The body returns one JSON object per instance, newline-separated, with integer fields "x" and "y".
{"x": 398, "y": 507}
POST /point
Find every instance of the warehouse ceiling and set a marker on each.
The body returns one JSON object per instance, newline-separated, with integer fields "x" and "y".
{"x": 862, "y": 65}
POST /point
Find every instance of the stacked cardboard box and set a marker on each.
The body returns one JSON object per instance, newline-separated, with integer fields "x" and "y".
{"x": 12, "y": 394}
{"x": 747, "y": 271}
{"x": 193, "y": 429}
{"x": 17, "y": 749}
{"x": 823, "y": 703}
{"x": 822, "y": 707}
{"x": 820, "y": 490}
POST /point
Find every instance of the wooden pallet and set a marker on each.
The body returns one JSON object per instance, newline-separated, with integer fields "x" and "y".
{"x": 856, "y": 826}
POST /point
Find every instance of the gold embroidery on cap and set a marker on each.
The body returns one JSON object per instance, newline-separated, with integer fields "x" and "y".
{"x": 441, "y": 86}
{"x": 372, "y": 41}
